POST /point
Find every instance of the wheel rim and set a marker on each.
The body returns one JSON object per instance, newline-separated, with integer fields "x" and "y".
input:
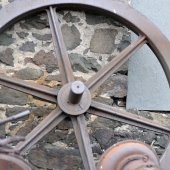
{"x": 146, "y": 36}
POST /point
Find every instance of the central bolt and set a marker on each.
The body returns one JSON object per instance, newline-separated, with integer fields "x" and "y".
{"x": 76, "y": 91}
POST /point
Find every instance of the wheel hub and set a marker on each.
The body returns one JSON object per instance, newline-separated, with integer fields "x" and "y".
{"x": 74, "y": 98}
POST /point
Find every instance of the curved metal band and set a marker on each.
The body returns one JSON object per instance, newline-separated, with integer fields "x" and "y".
{"x": 125, "y": 14}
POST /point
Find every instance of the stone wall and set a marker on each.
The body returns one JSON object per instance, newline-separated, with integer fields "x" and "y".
{"x": 26, "y": 52}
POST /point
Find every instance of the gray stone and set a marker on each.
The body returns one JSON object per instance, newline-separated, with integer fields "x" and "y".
{"x": 68, "y": 17}
{"x": 28, "y": 46}
{"x": 55, "y": 135}
{"x": 45, "y": 37}
{"x": 125, "y": 42}
{"x": 12, "y": 97}
{"x": 53, "y": 157}
{"x": 159, "y": 151}
{"x": 103, "y": 137}
{"x": 71, "y": 36}
{"x": 71, "y": 140}
{"x": 103, "y": 100}
{"x": 2, "y": 131}
{"x": 28, "y": 60}
{"x": 22, "y": 35}
{"x": 92, "y": 64}
{"x": 11, "y": 1}
{"x": 41, "y": 111}
{"x": 162, "y": 141}
{"x": 48, "y": 59}
{"x": 35, "y": 22}
{"x": 100, "y": 122}
{"x": 115, "y": 86}
{"x": 54, "y": 78}
{"x": 128, "y": 132}
{"x": 65, "y": 124}
{"x": 96, "y": 148}
{"x": 27, "y": 128}
{"x": 82, "y": 64}
{"x": 29, "y": 73}
{"x": 149, "y": 137}
{"x": 6, "y": 39}
{"x": 6, "y": 57}
{"x": 86, "y": 51}
{"x": 77, "y": 63}
{"x": 103, "y": 41}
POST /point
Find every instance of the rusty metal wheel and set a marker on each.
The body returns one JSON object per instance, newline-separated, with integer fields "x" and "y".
{"x": 12, "y": 162}
{"x": 74, "y": 98}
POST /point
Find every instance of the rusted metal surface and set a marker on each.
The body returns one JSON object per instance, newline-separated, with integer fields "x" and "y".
{"x": 129, "y": 155}
{"x": 75, "y": 100}
{"x": 76, "y": 91}
{"x": 12, "y": 162}
{"x": 66, "y": 104}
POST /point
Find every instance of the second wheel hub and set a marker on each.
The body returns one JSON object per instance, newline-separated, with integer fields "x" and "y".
{"x": 74, "y": 98}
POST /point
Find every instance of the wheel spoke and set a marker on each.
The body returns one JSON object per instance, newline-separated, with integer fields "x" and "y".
{"x": 121, "y": 115}
{"x": 59, "y": 47}
{"x": 98, "y": 79}
{"x": 36, "y": 90}
{"x": 83, "y": 142}
{"x": 49, "y": 123}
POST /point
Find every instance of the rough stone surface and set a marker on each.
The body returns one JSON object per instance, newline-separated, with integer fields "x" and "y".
{"x": 82, "y": 64}
{"x": 104, "y": 100}
{"x": 162, "y": 141}
{"x": 48, "y": 59}
{"x": 34, "y": 22}
{"x": 115, "y": 86}
{"x": 29, "y": 74}
{"x": 6, "y": 57}
{"x": 45, "y": 37}
{"x": 68, "y": 17}
{"x": 65, "y": 125}
{"x": 11, "y": 1}
{"x": 27, "y": 128}
{"x": 22, "y": 35}
{"x": 71, "y": 36}
{"x": 52, "y": 157}
{"x": 6, "y": 39}
{"x": 103, "y": 41}
{"x": 41, "y": 111}
{"x": 12, "y": 97}
{"x": 126, "y": 40}
{"x": 29, "y": 46}
{"x": 103, "y": 137}
{"x": 100, "y": 122}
